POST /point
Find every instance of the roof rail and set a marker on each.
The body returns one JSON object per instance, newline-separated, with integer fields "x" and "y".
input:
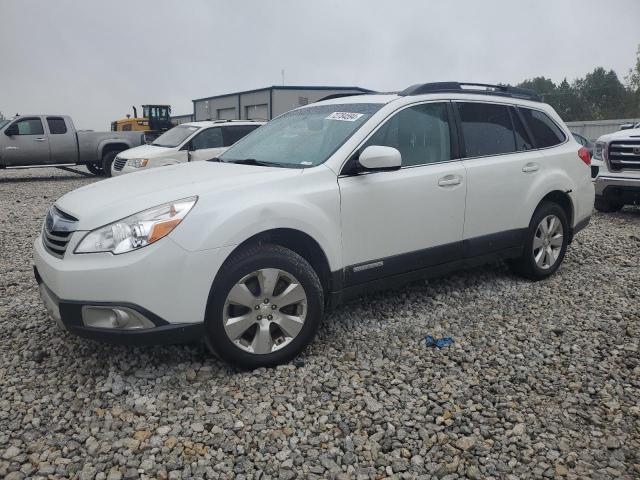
{"x": 459, "y": 87}
{"x": 340, "y": 95}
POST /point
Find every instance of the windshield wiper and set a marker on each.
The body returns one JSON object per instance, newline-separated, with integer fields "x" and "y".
{"x": 252, "y": 161}
{"x": 214, "y": 159}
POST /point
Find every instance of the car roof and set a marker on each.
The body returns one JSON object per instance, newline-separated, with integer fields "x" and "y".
{"x": 217, "y": 123}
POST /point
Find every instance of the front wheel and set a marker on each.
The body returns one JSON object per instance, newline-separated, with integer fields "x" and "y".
{"x": 545, "y": 244}
{"x": 607, "y": 206}
{"x": 107, "y": 161}
{"x": 95, "y": 168}
{"x": 265, "y": 306}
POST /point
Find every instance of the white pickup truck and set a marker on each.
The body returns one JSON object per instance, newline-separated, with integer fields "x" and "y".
{"x": 615, "y": 169}
{"x": 52, "y": 141}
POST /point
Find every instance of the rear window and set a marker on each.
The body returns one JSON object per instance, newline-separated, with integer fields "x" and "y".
{"x": 56, "y": 125}
{"x": 544, "y": 130}
{"x": 486, "y": 129}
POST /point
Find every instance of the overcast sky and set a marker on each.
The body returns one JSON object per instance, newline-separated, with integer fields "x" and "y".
{"x": 94, "y": 59}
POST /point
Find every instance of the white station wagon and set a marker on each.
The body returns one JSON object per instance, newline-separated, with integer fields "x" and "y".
{"x": 325, "y": 202}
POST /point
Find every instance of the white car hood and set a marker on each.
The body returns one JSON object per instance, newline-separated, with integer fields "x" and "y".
{"x": 145, "y": 151}
{"x": 621, "y": 135}
{"x": 109, "y": 200}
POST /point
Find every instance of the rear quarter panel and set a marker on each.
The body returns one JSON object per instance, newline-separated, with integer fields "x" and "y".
{"x": 92, "y": 144}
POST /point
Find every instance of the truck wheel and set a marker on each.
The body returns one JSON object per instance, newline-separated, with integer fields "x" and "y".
{"x": 607, "y": 206}
{"x": 95, "y": 168}
{"x": 264, "y": 307}
{"x": 545, "y": 244}
{"x": 107, "y": 160}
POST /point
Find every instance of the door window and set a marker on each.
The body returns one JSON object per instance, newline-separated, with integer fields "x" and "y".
{"x": 421, "y": 134}
{"x": 56, "y": 125}
{"x": 523, "y": 142}
{"x": 30, "y": 126}
{"x": 209, "y": 138}
{"x": 233, "y": 134}
{"x": 486, "y": 129}
{"x": 544, "y": 130}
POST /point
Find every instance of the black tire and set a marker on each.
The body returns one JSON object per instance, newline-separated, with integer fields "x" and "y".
{"x": 107, "y": 161}
{"x": 526, "y": 265}
{"x": 607, "y": 206}
{"x": 244, "y": 263}
{"x": 95, "y": 168}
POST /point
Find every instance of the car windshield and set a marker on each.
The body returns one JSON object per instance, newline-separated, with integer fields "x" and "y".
{"x": 301, "y": 138}
{"x": 175, "y": 136}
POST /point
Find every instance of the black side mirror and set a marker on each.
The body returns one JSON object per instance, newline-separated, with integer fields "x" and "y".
{"x": 11, "y": 130}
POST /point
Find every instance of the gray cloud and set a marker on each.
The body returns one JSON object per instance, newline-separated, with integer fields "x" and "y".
{"x": 93, "y": 60}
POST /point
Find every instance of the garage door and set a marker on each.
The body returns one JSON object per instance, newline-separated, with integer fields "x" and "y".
{"x": 256, "y": 112}
{"x": 226, "y": 114}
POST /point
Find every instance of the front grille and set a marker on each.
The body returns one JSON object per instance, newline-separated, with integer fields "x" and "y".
{"x": 624, "y": 155}
{"x": 57, "y": 231}
{"x": 119, "y": 163}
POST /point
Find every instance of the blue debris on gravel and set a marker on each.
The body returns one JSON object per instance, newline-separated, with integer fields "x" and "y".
{"x": 438, "y": 342}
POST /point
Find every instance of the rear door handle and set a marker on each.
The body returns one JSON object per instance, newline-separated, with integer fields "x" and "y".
{"x": 531, "y": 167}
{"x": 449, "y": 180}
{"x": 41, "y": 139}
{"x": 11, "y": 148}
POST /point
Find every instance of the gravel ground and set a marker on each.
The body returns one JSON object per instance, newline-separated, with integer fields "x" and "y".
{"x": 543, "y": 380}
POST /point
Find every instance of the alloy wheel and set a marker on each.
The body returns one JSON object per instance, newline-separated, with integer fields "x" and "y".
{"x": 547, "y": 242}
{"x": 265, "y": 311}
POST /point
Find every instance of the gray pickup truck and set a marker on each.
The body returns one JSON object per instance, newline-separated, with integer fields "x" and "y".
{"x": 53, "y": 141}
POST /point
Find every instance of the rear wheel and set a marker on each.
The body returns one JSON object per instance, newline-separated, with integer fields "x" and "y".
{"x": 95, "y": 168}
{"x": 607, "y": 206}
{"x": 546, "y": 243}
{"x": 107, "y": 161}
{"x": 264, "y": 308}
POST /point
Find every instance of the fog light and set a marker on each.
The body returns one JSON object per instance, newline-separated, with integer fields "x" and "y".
{"x": 115, "y": 318}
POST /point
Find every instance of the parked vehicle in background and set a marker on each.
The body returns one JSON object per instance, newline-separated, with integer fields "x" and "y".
{"x": 184, "y": 143}
{"x": 629, "y": 126}
{"x": 52, "y": 140}
{"x": 325, "y": 202}
{"x": 155, "y": 120}
{"x": 616, "y": 170}
{"x": 585, "y": 142}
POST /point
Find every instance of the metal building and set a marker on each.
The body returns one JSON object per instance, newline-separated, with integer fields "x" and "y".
{"x": 178, "y": 119}
{"x": 592, "y": 129}
{"x": 263, "y": 103}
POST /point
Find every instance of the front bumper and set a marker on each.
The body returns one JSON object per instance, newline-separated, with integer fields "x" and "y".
{"x": 624, "y": 189}
{"x": 164, "y": 283}
{"x": 126, "y": 169}
{"x": 69, "y": 316}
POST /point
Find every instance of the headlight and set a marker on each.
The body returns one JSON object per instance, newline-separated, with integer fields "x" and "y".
{"x": 138, "y": 230}
{"x": 138, "y": 162}
{"x": 600, "y": 151}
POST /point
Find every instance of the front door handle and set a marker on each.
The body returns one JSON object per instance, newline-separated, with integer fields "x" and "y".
{"x": 449, "y": 180}
{"x": 11, "y": 148}
{"x": 41, "y": 139}
{"x": 530, "y": 167}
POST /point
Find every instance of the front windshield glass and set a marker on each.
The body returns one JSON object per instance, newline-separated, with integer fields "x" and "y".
{"x": 175, "y": 136}
{"x": 302, "y": 138}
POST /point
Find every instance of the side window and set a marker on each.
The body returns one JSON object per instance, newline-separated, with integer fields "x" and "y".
{"x": 233, "y": 134}
{"x": 544, "y": 130}
{"x": 209, "y": 138}
{"x": 56, "y": 125}
{"x": 486, "y": 129}
{"x": 30, "y": 126}
{"x": 420, "y": 133}
{"x": 523, "y": 142}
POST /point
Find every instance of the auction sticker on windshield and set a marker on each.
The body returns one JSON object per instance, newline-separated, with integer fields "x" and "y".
{"x": 344, "y": 116}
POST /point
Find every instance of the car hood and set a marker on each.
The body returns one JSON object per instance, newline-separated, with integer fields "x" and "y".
{"x": 144, "y": 151}
{"x": 621, "y": 135}
{"x": 109, "y": 200}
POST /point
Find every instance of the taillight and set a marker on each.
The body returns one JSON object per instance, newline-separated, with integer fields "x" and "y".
{"x": 583, "y": 153}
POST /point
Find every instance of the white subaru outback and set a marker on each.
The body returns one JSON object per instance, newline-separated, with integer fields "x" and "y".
{"x": 325, "y": 202}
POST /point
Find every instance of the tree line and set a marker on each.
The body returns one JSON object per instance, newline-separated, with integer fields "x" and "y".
{"x": 599, "y": 95}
